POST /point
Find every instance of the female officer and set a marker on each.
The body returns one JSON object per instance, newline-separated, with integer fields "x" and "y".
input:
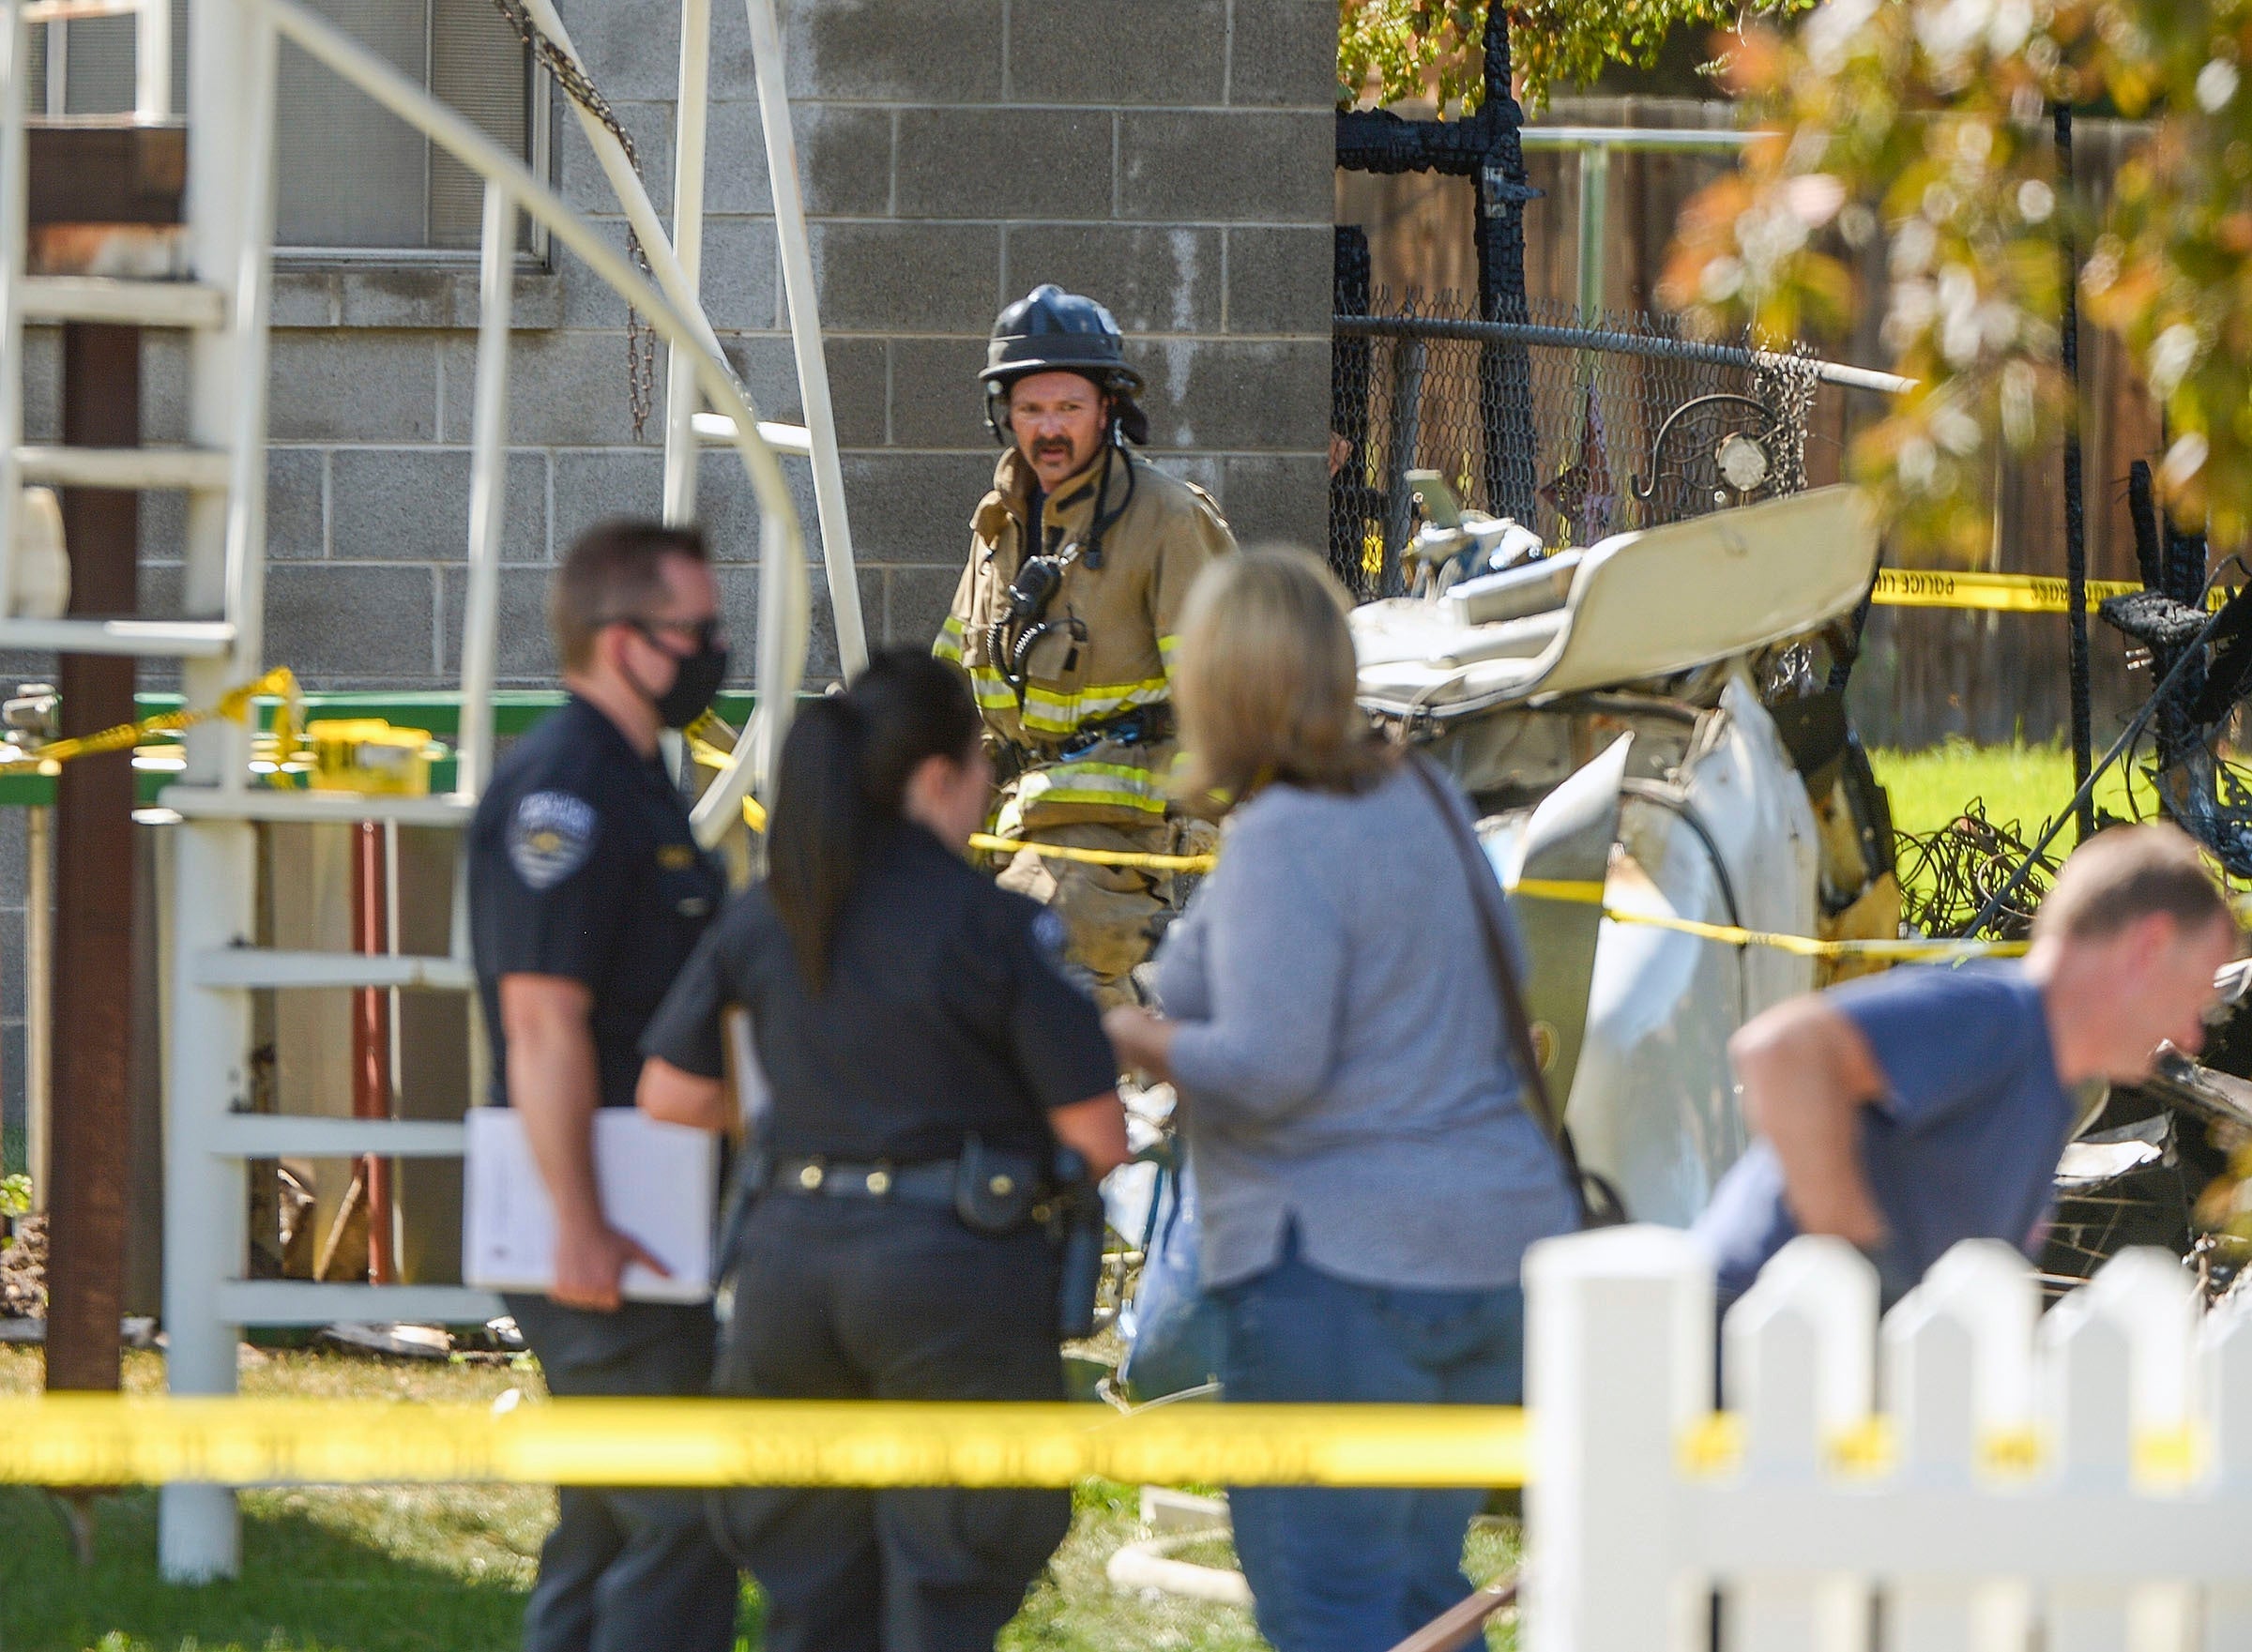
{"x": 924, "y": 1058}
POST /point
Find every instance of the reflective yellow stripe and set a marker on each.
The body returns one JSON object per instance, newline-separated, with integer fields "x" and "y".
{"x": 1050, "y": 713}
{"x": 993, "y": 845}
{"x": 1165, "y": 651}
{"x": 949, "y": 645}
{"x": 1102, "y": 786}
{"x": 991, "y": 688}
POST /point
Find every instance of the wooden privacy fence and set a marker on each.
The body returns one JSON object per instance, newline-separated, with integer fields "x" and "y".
{"x": 1968, "y": 1475}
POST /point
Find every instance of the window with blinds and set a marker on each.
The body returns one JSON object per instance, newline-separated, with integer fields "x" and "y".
{"x": 352, "y": 178}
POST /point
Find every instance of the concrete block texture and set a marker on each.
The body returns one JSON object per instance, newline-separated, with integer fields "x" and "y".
{"x": 339, "y": 625}
{"x": 872, "y": 51}
{"x": 296, "y": 514}
{"x": 1281, "y": 497}
{"x": 523, "y": 655}
{"x": 579, "y": 176}
{"x": 907, "y": 278}
{"x": 1109, "y": 52}
{"x": 593, "y": 487}
{"x": 1279, "y": 279}
{"x": 914, "y": 508}
{"x": 916, "y": 601}
{"x": 936, "y": 400}
{"x": 1283, "y": 53}
{"x": 1244, "y": 166}
{"x": 1018, "y": 163}
{"x": 768, "y": 367}
{"x": 412, "y": 504}
{"x": 1233, "y": 397}
{"x": 376, "y": 387}
{"x": 1155, "y": 278}
{"x": 741, "y": 281}
{"x": 843, "y": 156}
{"x": 566, "y": 389}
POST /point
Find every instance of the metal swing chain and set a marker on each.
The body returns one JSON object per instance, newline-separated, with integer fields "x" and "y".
{"x": 641, "y": 338}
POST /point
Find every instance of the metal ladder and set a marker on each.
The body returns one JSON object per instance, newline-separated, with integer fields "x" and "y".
{"x": 211, "y": 969}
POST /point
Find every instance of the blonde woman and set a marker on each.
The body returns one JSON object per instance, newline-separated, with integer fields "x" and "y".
{"x": 1368, "y": 1175}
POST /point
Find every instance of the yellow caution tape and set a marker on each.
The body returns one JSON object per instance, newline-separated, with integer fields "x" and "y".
{"x": 234, "y": 705}
{"x": 1590, "y": 893}
{"x": 992, "y": 844}
{"x": 710, "y": 756}
{"x": 105, "y": 1440}
{"x": 1712, "y": 1448}
{"x": 1999, "y": 593}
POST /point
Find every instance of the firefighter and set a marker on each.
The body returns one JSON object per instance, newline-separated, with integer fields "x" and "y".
{"x": 1063, "y": 624}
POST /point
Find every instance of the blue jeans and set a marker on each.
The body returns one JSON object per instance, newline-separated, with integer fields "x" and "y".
{"x": 1358, "y": 1570}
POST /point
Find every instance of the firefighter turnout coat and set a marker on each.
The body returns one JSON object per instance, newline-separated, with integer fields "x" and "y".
{"x": 1108, "y": 650}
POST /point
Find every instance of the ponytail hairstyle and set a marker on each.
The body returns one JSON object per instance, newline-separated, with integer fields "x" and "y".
{"x": 843, "y": 781}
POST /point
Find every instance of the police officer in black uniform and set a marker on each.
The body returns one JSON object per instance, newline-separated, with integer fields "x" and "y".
{"x": 932, "y": 1075}
{"x": 587, "y": 894}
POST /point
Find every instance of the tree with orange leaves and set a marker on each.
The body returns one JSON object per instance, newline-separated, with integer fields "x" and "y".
{"x": 1921, "y": 127}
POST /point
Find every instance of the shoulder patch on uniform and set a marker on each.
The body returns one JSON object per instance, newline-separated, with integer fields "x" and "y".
{"x": 550, "y": 836}
{"x": 1049, "y": 934}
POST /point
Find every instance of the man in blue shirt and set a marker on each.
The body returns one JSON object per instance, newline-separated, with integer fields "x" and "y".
{"x": 1908, "y": 1110}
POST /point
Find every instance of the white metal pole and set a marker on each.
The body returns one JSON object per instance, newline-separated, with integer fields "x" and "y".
{"x": 39, "y": 989}
{"x": 782, "y": 576}
{"x": 152, "y": 61}
{"x": 805, "y": 327}
{"x": 206, "y": 1195}
{"x": 805, "y": 333}
{"x": 230, "y": 60}
{"x": 488, "y": 491}
{"x": 682, "y": 448}
{"x": 246, "y": 437}
{"x": 634, "y": 198}
{"x": 15, "y": 234}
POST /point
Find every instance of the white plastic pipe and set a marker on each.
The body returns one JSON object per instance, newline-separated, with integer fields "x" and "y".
{"x": 246, "y": 437}
{"x": 682, "y": 450}
{"x": 152, "y": 61}
{"x": 805, "y": 333}
{"x": 782, "y": 438}
{"x": 488, "y": 491}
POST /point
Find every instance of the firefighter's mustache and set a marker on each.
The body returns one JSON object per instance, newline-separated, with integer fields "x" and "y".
{"x": 1047, "y": 445}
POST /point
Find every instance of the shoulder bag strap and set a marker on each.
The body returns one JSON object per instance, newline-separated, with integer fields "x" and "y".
{"x": 1515, "y": 1023}
{"x": 1514, "y": 1020}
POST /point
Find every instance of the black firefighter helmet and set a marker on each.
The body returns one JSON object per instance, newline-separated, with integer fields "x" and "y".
{"x": 1050, "y": 330}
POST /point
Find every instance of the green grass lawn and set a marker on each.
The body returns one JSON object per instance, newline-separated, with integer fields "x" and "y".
{"x": 2029, "y": 784}
{"x": 445, "y": 1568}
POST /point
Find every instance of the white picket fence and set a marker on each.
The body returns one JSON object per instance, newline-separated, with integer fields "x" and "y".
{"x": 1971, "y": 1476}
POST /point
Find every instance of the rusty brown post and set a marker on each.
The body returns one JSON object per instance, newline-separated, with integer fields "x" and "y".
{"x": 94, "y": 887}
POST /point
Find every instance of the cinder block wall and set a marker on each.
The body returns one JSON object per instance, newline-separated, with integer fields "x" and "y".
{"x": 1172, "y": 157}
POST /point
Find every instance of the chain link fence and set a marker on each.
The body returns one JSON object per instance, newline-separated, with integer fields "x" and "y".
{"x": 1579, "y": 430}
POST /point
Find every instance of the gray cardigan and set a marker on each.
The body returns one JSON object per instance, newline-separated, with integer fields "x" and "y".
{"x": 1341, "y": 1057}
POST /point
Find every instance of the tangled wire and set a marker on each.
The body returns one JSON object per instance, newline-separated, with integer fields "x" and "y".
{"x": 1948, "y": 876}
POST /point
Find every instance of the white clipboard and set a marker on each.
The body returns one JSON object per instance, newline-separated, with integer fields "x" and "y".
{"x": 657, "y": 1184}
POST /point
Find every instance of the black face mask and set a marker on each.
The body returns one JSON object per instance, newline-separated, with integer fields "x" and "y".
{"x": 696, "y": 677}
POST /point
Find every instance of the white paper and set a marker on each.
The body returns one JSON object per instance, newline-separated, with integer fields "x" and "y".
{"x": 657, "y": 1182}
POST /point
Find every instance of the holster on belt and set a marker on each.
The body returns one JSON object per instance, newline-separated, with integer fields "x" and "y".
{"x": 996, "y": 1187}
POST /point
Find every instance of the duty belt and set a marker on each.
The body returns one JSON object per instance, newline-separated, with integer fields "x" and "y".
{"x": 1144, "y": 725}
{"x": 932, "y": 1182}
